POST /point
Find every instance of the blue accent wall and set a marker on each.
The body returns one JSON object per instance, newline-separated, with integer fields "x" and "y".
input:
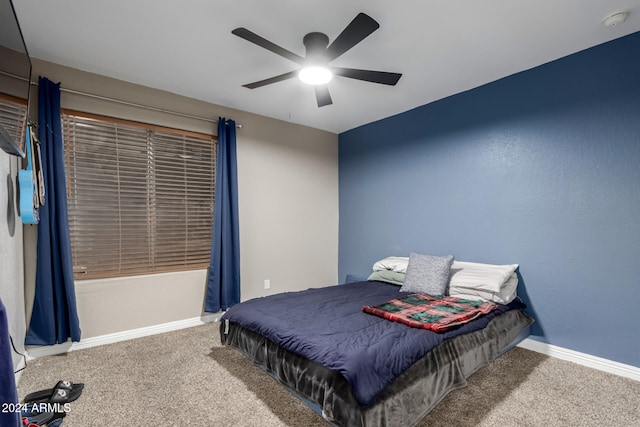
{"x": 541, "y": 168}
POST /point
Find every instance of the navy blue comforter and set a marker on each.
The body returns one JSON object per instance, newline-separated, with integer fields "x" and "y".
{"x": 328, "y": 326}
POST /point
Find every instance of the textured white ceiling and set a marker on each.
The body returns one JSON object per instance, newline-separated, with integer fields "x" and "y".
{"x": 441, "y": 47}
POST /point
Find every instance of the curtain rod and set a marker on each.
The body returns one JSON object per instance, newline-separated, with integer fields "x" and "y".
{"x": 145, "y": 107}
{"x": 119, "y": 101}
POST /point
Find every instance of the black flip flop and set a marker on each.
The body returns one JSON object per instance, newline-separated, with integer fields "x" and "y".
{"x": 63, "y": 392}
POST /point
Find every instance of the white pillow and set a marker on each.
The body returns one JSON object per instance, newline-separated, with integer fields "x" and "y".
{"x": 393, "y": 263}
{"x": 480, "y": 277}
{"x": 505, "y": 296}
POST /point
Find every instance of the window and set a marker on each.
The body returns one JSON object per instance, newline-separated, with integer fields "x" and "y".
{"x": 13, "y": 117}
{"x": 140, "y": 197}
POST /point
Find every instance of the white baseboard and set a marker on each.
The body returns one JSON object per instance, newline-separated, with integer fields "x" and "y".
{"x": 19, "y": 369}
{"x": 584, "y": 359}
{"x": 41, "y": 351}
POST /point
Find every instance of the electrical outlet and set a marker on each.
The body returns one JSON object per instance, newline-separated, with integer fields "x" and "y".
{"x": 267, "y": 283}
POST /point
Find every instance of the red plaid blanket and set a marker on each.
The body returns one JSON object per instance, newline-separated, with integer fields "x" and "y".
{"x": 427, "y": 312}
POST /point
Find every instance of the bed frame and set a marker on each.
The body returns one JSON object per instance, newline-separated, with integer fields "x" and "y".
{"x": 408, "y": 398}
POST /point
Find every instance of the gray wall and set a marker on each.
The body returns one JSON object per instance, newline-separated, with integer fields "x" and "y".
{"x": 11, "y": 257}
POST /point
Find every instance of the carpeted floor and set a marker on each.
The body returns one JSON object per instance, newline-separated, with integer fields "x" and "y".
{"x": 186, "y": 378}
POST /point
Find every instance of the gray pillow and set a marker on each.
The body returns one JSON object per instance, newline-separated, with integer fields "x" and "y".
{"x": 427, "y": 274}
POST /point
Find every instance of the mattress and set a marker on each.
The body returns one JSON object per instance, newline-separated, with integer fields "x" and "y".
{"x": 317, "y": 342}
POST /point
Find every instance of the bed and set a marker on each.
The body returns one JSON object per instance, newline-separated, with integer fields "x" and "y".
{"x": 357, "y": 369}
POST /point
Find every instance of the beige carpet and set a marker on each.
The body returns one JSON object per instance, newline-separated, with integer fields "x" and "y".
{"x": 185, "y": 378}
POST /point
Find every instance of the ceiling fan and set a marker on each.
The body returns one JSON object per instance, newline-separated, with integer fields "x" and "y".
{"x": 319, "y": 53}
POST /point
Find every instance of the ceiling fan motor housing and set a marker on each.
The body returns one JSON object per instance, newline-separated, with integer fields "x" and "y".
{"x": 316, "y": 47}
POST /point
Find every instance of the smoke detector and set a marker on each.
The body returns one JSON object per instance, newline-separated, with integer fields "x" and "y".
{"x": 615, "y": 19}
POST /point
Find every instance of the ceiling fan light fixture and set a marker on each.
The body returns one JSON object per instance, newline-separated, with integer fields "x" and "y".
{"x": 315, "y": 75}
{"x": 319, "y": 54}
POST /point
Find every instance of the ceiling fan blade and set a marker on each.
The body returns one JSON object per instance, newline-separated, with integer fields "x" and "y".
{"x": 264, "y": 43}
{"x": 381, "y": 77}
{"x": 322, "y": 95}
{"x": 275, "y": 79}
{"x": 361, "y": 26}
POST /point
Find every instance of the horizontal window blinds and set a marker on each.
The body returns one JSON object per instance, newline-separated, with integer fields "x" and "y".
{"x": 13, "y": 117}
{"x": 140, "y": 197}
